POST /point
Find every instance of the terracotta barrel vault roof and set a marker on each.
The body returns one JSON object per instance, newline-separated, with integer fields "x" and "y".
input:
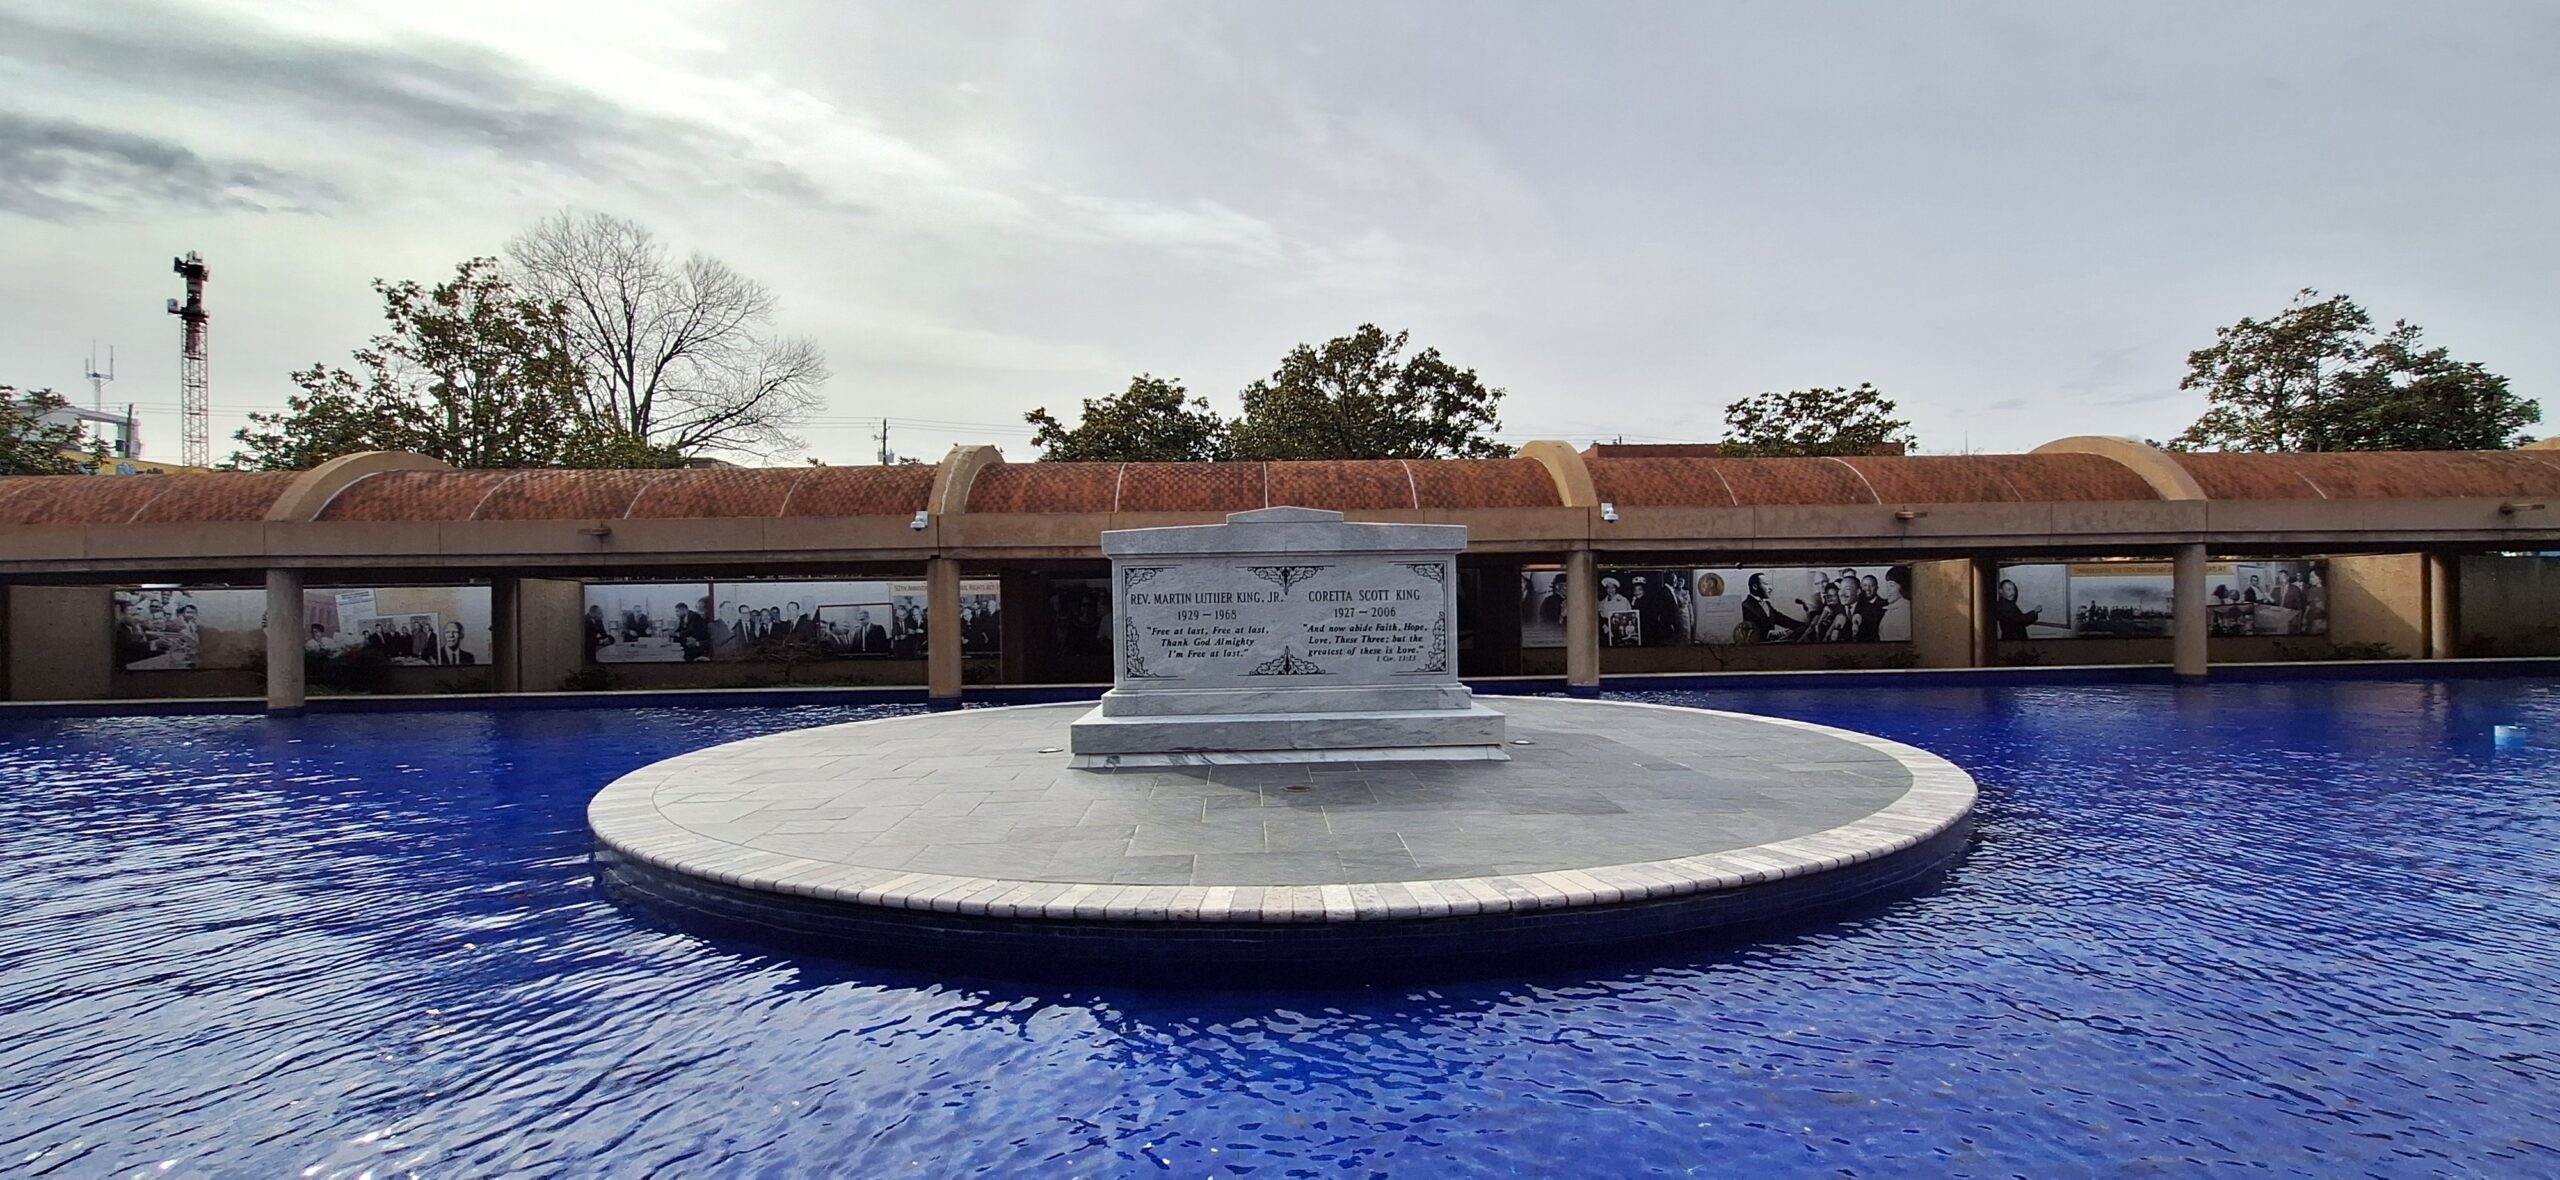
{"x": 2054, "y": 476}
{"x": 1865, "y": 479}
{"x": 2390, "y": 475}
{"x": 1348, "y": 485}
{"x": 728, "y": 493}
{"x": 140, "y": 499}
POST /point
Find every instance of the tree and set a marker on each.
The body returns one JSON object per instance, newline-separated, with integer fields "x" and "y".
{"x": 1834, "y": 421}
{"x": 29, "y": 445}
{"x": 2408, "y": 397}
{"x": 677, "y": 354}
{"x": 1356, "y": 398}
{"x": 2317, "y": 377}
{"x": 470, "y": 372}
{"x": 1153, "y": 421}
{"x": 2267, "y": 382}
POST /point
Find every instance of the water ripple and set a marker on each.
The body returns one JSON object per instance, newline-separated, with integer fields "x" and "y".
{"x": 2302, "y": 928}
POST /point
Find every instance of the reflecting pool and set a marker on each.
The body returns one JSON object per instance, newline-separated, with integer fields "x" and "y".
{"x": 2309, "y": 926}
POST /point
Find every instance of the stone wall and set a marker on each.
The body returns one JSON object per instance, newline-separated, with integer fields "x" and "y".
{"x": 2510, "y": 606}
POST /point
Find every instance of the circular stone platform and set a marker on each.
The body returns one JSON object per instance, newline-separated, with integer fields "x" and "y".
{"x": 1612, "y": 821}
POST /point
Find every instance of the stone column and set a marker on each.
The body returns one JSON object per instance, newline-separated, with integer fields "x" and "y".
{"x": 1986, "y": 631}
{"x": 285, "y": 630}
{"x": 942, "y": 632}
{"x": 506, "y": 631}
{"x": 2189, "y": 626}
{"x": 1022, "y": 622}
{"x": 1582, "y": 623}
{"x": 2444, "y": 606}
{"x": 1942, "y": 612}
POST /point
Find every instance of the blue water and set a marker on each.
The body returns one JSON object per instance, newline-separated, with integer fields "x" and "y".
{"x": 2305, "y": 929}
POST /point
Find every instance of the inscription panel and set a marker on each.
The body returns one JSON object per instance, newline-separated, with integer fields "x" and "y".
{"x": 1307, "y": 622}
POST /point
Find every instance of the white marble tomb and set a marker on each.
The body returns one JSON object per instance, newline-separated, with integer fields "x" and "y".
{"x": 1285, "y": 635}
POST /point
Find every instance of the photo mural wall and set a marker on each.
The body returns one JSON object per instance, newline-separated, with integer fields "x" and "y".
{"x": 685, "y": 622}
{"x": 164, "y": 628}
{"x": 1648, "y": 607}
{"x": 2134, "y": 599}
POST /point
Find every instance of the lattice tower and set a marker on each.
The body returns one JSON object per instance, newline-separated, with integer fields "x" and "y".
{"x": 195, "y": 409}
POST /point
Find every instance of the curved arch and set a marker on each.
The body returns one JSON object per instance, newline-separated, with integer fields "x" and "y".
{"x": 2153, "y": 465}
{"x": 958, "y": 472}
{"x": 310, "y": 492}
{"x": 1564, "y": 465}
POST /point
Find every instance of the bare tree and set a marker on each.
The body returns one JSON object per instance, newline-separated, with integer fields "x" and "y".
{"x": 681, "y": 355}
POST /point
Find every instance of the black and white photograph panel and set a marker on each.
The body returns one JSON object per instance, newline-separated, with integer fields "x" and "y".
{"x": 853, "y": 628}
{"x": 647, "y": 622}
{"x": 174, "y": 629}
{"x": 2031, "y": 602}
{"x": 1802, "y": 604}
{"x": 799, "y": 620}
{"x": 1645, "y": 607}
{"x": 2269, "y": 598}
{"x": 2121, "y": 599}
{"x": 1080, "y": 617}
{"x": 1542, "y": 609}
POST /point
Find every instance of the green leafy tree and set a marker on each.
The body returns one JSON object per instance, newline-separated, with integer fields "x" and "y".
{"x": 2268, "y": 383}
{"x": 1360, "y": 397}
{"x": 28, "y": 444}
{"x": 1835, "y": 421}
{"x": 2406, "y": 396}
{"x": 1153, "y": 421}
{"x": 2319, "y": 377}
{"x": 469, "y": 372}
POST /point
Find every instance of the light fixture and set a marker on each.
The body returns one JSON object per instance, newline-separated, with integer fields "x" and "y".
{"x": 598, "y": 531}
{"x": 2511, "y": 507}
{"x": 922, "y": 519}
{"x": 1908, "y": 514}
{"x": 1608, "y": 512}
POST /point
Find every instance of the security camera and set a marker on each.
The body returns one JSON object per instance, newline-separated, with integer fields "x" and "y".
{"x": 922, "y": 519}
{"x": 1608, "y": 512}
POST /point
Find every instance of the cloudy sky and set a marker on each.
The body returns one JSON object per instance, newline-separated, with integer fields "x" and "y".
{"x": 2014, "y": 217}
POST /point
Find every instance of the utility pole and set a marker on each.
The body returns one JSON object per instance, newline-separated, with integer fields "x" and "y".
{"x": 195, "y": 410}
{"x": 887, "y": 456}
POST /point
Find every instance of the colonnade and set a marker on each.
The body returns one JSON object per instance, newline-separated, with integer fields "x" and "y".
{"x": 1972, "y": 618}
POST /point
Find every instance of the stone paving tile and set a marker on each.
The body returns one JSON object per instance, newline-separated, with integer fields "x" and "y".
{"x": 976, "y": 860}
{"x": 1378, "y": 865}
{"x": 1032, "y": 833}
{"x": 1594, "y": 791}
{"x": 1104, "y": 811}
{"x": 1153, "y": 839}
{"x": 946, "y": 829}
{"x": 1291, "y": 838}
{"x": 1266, "y": 868}
{"x": 1153, "y": 870}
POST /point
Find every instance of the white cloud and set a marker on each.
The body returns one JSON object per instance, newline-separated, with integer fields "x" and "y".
{"x": 1626, "y": 219}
